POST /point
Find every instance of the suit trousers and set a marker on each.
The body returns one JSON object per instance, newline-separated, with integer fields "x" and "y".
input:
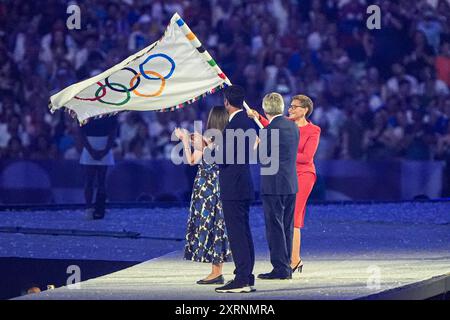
{"x": 236, "y": 213}
{"x": 279, "y": 218}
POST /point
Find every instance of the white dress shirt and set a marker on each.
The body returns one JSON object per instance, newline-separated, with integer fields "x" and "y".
{"x": 278, "y": 115}
{"x": 233, "y": 114}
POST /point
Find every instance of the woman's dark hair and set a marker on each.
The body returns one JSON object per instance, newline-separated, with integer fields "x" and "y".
{"x": 217, "y": 118}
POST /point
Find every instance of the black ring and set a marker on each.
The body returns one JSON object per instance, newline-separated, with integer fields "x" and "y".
{"x": 127, "y": 90}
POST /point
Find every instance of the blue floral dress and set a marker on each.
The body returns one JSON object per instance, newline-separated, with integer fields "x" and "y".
{"x": 206, "y": 236}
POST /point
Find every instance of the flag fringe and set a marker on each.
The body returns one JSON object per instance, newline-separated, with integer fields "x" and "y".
{"x": 167, "y": 109}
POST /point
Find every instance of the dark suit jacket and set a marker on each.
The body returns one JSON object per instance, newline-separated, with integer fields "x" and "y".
{"x": 235, "y": 179}
{"x": 285, "y": 180}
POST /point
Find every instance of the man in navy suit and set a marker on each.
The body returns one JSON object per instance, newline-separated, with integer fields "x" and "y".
{"x": 278, "y": 189}
{"x": 236, "y": 189}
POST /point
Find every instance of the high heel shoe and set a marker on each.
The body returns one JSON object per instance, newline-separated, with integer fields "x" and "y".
{"x": 299, "y": 266}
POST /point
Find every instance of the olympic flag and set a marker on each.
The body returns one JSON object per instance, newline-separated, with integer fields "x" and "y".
{"x": 172, "y": 72}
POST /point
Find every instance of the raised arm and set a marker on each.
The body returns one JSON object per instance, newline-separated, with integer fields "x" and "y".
{"x": 193, "y": 158}
{"x": 252, "y": 113}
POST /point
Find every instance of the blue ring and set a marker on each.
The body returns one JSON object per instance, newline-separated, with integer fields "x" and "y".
{"x": 141, "y": 66}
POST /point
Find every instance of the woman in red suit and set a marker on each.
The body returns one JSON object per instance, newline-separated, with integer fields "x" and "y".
{"x": 299, "y": 111}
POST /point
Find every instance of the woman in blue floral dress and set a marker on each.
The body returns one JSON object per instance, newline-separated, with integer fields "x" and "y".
{"x": 206, "y": 236}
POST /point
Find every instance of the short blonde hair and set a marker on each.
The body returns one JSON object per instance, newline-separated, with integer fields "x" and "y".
{"x": 306, "y": 102}
{"x": 273, "y": 104}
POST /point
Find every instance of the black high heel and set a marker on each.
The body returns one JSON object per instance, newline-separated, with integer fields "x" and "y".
{"x": 299, "y": 266}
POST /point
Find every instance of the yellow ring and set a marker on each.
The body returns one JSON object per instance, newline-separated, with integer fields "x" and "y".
{"x": 157, "y": 93}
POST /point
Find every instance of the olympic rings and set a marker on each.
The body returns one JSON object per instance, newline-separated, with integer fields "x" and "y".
{"x": 134, "y": 82}
{"x": 114, "y": 103}
{"x": 96, "y": 97}
{"x": 172, "y": 68}
{"x": 129, "y": 89}
{"x": 157, "y": 93}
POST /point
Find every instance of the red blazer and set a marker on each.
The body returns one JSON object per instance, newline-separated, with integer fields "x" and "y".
{"x": 307, "y": 147}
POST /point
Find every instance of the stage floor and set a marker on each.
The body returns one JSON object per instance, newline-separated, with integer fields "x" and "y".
{"x": 349, "y": 252}
{"x": 171, "y": 278}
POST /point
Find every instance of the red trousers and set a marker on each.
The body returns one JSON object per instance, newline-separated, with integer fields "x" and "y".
{"x": 306, "y": 182}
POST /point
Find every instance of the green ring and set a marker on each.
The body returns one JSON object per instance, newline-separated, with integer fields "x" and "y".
{"x": 112, "y": 103}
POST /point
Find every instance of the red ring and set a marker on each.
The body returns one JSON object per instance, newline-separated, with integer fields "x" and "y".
{"x": 96, "y": 98}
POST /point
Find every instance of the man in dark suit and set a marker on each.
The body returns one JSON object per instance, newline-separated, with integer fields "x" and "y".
{"x": 278, "y": 189}
{"x": 236, "y": 189}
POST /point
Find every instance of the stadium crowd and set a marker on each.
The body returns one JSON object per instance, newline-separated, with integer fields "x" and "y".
{"x": 378, "y": 94}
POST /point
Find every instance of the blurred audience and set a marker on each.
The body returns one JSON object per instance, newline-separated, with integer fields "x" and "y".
{"x": 378, "y": 94}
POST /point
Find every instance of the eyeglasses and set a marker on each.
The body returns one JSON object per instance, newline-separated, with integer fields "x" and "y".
{"x": 292, "y": 106}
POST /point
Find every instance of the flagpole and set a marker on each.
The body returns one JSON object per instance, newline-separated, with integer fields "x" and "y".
{"x": 228, "y": 82}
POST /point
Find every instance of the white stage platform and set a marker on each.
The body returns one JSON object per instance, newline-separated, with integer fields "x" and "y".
{"x": 349, "y": 251}
{"x": 171, "y": 278}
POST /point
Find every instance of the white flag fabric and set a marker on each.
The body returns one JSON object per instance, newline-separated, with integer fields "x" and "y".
{"x": 168, "y": 74}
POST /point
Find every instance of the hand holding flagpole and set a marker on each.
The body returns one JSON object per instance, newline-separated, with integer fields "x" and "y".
{"x": 204, "y": 53}
{"x": 228, "y": 82}
{"x": 255, "y": 119}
